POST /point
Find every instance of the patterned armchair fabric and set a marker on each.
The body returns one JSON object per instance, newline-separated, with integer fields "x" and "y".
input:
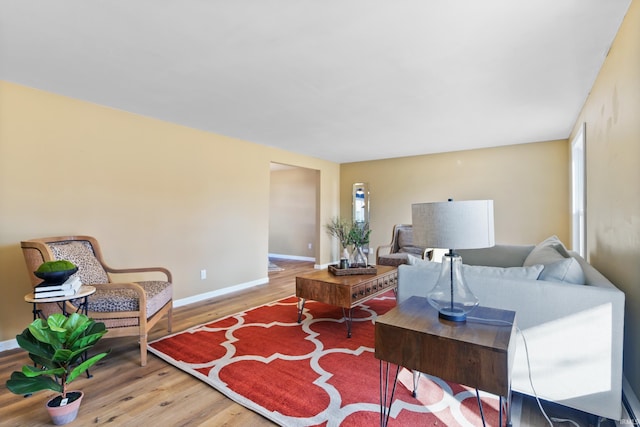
{"x": 90, "y": 271}
{"x": 129, "y": 308}
{"x": 109, "y": 299}
{"x": 401, "y": 247}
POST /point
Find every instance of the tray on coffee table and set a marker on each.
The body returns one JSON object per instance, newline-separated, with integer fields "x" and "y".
{"x": 370, "y": 269}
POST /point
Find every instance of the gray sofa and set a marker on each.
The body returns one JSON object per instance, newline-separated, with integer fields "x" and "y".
{"x": 573, "y": 331}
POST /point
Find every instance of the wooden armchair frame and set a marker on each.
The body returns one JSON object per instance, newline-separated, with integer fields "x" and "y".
{"x": 37, "y": 251}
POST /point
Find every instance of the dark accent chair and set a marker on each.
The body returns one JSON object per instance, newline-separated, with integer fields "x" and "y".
{"x": 401, "y": 247}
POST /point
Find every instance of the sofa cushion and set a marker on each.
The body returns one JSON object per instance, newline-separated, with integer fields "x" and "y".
{"x": 108, "y": 299}
{"x": 557, "y": 267}
{"x": 111, "y": 298}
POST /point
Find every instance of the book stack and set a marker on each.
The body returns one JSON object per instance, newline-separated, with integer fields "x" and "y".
{"x": 48, "y": 290}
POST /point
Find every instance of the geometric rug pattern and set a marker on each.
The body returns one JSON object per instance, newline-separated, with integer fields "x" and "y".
{"x": 311, "y": 374}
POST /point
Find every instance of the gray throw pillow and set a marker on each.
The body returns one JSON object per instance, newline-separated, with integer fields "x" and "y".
{"x": 405, "y": 237}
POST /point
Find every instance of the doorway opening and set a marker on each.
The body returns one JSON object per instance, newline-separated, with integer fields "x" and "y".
{"x": 293, "y": 212}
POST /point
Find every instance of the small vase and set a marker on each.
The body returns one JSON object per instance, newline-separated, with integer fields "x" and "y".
{"x": 344, "y": 259}
{"x": 358, "y": 258}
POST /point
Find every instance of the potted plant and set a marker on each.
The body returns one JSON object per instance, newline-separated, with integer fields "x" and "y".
{"x": 348, "y": 233}
{"x": 58, "y": 348}
{"x": 359, "y": 236}
{"x": 339, "y": 228}
{"x": 55, "y": 272}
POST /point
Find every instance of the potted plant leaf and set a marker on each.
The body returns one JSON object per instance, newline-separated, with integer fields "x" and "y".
{"x": 58, "y": 349}
{"x": 359, "y": 236}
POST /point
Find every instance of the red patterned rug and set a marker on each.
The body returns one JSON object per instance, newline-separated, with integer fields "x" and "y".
{"x": 311, "y": 374}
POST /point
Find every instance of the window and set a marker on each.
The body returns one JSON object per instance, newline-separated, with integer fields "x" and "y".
{"x": 578, "y": 193}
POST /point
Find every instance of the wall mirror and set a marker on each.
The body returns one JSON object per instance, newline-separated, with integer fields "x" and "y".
{"x": 360, "y": 202}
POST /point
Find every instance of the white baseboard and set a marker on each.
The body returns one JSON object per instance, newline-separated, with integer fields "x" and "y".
{"x": 294, "y": 257}
{"x": 322, "y": 266}
{"x": 8, "y": 345}
{"x": 219, "y": 292}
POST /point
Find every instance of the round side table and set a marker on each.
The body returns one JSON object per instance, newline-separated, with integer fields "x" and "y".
{"x": 83, "y": 293}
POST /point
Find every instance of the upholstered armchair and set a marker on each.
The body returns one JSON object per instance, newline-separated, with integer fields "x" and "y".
{"x": 127, "y": 308}
{"x": 401, "y": 247}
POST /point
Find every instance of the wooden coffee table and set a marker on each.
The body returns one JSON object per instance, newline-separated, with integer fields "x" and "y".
{"x": 344, "y": 291}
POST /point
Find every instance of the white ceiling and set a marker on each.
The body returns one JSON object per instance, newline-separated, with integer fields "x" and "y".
{"x": 342, "y": 80}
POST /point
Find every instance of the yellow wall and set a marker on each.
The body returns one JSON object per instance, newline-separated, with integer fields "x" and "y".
{"x": 612, "y": 117}
{"x": 529, "y": 184}
{"x": 153, "y": 193}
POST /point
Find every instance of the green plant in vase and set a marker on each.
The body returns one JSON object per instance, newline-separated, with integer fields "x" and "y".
{"x": 57, "y": 347}
{"x": 359, "y": 236}
{"x": 340, "y": 228}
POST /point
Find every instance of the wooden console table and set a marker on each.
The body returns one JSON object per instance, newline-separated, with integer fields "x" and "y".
{"x": 344, "y": 291}
{"x": 477, "y": 353}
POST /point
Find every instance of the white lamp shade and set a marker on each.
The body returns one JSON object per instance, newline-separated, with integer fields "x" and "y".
{"x": 464, "y": 224}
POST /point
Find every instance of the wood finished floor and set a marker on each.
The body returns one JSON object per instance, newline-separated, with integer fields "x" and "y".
{"x": 122, "y": 393}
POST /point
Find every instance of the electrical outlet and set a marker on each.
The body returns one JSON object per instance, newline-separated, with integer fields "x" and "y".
{"x": 203, "y": 274}
{"x": 309, "y": 245}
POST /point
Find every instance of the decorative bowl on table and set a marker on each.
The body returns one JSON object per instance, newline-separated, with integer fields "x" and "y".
{"x": 55, "y": 277}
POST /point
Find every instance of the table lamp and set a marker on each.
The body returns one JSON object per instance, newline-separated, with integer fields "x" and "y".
{"x": 453, "y": 225}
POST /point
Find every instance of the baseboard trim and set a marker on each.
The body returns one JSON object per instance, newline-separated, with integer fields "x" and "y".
{"x": 219, "y": 292}
{"x": 293, "y": 257}
{"x": 8, "y": 345}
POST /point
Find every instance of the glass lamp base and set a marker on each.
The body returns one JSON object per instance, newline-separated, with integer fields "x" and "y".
{"x": 453, "y": 315}
{"x": 451, "y": 296}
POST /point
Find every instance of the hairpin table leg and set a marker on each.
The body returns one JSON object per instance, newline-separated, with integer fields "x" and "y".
{"x": 349, "y": 320}
{"x": 301, "y": 302}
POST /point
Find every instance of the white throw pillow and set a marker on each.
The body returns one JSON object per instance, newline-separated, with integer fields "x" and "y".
{"x": 414, "y": 260}
{"x": 529, "y": 272}
{"x": 557, "y": 267}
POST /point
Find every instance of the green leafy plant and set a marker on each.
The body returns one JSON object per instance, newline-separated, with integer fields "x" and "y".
{"x": 339, "y": 228}
{"x": 53, "y": 266}
{"x": 359, "y": 234}
{"x": 56, "y": 346}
